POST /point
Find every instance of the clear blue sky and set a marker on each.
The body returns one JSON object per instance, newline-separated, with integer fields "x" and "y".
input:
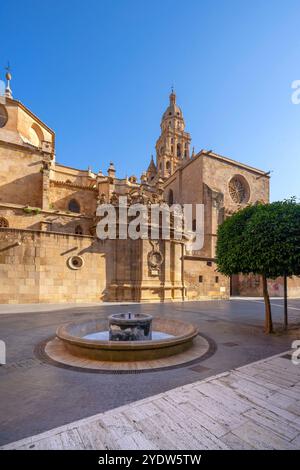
{"x": 99, "y": 73}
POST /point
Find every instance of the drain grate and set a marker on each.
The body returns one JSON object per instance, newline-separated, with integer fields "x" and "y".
{"x": 24, "y": 364}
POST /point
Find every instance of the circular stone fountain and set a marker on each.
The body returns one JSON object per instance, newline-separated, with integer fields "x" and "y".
{"x": 127, "y": 342}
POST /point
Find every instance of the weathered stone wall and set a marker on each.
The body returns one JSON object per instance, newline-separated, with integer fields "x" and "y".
{"x": 251, "y": 286}
{"x": 217, "y": 174}
{"x": 203, "y": 281}
{"x": 23, "y": 127}
{"x": 136, "y": 273}
{"x": 60, "y": 196}
{"x": 33, "y": 267}
{"x": 74, "y": 175}
{"x": 47, "y": 221}
{"x": 186, "y": 183}
{"x": 20, "y": 177}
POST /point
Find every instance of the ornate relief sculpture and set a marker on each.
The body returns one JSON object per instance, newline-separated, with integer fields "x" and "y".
{"x": 155, "y": 258}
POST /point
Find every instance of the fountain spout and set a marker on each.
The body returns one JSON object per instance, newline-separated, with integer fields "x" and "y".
{"x": 130, "y": 327}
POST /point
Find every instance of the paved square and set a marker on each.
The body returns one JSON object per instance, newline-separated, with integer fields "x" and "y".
{"x": 253, "y": 407}
{"x": 36, "y": 397}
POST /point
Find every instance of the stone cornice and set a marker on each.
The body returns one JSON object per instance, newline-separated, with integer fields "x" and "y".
{"x": 66, "y": 184}
{"x": 40, "y": 233}
{"x": 232, "y": 162}
{"x": 200, "y": 258}
{"x": 56, "y": 212}
{"x": 31, "y": 149}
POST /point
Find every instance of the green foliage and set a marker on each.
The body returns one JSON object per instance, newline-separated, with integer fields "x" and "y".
{"x": 261, "y": 239}
{"x": 30, "y": 210}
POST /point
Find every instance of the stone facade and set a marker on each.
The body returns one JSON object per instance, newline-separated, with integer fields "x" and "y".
{"x": 50, "y": 267}
{"x": 48, "y": 248}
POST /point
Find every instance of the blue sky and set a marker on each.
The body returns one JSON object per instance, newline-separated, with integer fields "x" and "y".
{"x": 99, "y": 73}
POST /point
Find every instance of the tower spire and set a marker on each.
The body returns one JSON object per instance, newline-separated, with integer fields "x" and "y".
{"x": 172, "y": 96}
{"x": 172, "y": 146}
{"x": 8, "y": 92}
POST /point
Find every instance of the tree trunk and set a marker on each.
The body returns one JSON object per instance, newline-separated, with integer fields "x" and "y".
{"x": 268, "y": 313}
{"x": 285, "y": 303}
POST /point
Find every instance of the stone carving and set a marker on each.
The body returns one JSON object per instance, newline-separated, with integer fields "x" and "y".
{"x": 4, "y": 222}
{"x": 155, "y": 199}
{"x": 46, "y": 165}
{"x": 101, "y": 199}
{"x": 135, "y": 197}
{"x": 114, "y": 198}
{"x": 132, "y": 179}
{"x": 155, "y": 258}
{"x": 217, "y": 200}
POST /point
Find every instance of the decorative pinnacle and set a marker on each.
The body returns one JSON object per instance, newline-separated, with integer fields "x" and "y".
{"x": 8, "y": 74}
{"x": 172, "y": 95}
{"x": 8, "y": 92}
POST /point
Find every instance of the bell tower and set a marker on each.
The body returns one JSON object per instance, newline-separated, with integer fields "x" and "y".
{"x": 173, "y": 144}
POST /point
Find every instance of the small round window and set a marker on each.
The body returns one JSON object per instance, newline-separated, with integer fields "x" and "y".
{"x": 3, "y": 116}
{"x": 75, "y": 262}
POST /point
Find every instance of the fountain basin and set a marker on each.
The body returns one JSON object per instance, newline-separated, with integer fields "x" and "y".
{"x": 180, "y": 338}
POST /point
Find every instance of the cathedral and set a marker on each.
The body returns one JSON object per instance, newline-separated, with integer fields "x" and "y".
{"x": 49, "y": 251}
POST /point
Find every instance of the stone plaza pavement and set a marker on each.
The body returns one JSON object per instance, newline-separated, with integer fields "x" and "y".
{"x": 256, "y": 406}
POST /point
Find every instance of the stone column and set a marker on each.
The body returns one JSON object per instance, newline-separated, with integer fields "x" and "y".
{"x": 217, "y": 205}
{"x": 45, "y": 183}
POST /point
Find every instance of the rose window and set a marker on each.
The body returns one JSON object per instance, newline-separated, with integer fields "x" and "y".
{"x": 238, "y": 189}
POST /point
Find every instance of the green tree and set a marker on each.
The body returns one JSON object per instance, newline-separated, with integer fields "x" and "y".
{"x": 263, "y": 239}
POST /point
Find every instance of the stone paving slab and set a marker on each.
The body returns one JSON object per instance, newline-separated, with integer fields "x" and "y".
{"x": 256, "y": 406}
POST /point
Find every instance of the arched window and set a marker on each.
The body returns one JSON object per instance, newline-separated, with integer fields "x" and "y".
{"x": 4, "y": 222}
{"x": 78, "y": 230}
{"x": 170, "y": 197}
{"x": 36, "y": 135}
{"x": 168, "y": 166}
{"x": 178, "y": 150}
{"x": 74, "y": 206}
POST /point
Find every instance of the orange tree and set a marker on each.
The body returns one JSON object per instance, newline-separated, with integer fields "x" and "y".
{"x": 263, "y": 239}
